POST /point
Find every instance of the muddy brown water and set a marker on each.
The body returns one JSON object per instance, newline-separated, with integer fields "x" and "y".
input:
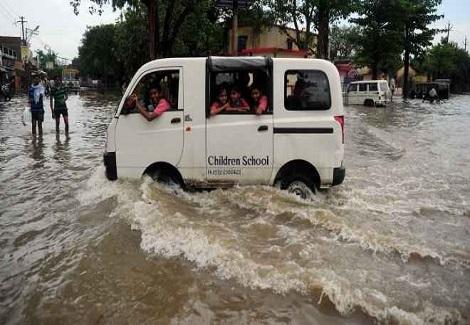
{"x": 390, "y": 245}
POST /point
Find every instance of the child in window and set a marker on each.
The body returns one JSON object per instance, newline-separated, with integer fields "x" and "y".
{"x": 237, "y": 104}
{"x": 260, "y": 101}
{"x": 221, "y": 103}
{"x": 159, "y": 103}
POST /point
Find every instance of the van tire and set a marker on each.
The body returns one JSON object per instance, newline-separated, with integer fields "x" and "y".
{"x": 369, "y": 102}
{"x": 166, "y": 175}
{"x": 299, "y": 184}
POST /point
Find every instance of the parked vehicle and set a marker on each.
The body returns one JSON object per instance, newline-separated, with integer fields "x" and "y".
{"x": 442, "y": 86}
{"x": 297, "y": 143}
{"x": 368, "y": 93}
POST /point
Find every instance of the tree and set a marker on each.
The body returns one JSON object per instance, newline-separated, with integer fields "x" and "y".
{"x": 342, "y": 42}
{"x": 328, "y": 11}
{"x": 308, "y": 16}
{"x": 131, "y": 42}
{"x": 43, "y": 57}
{"x": 415, "y": 19}
{"x": 379, "y": 36}
{"x": 97, "y": 55}
{"x": 448, "y": 61}
{"x": 164, "y": 19}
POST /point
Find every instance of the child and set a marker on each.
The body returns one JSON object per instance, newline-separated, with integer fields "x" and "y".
{"x": 260, "y": 101}
{"x": 158, "y": 101}
{"x": 36, "y": 95}
{"x": 237, "y": 104}
{"x": 221, "y": 103}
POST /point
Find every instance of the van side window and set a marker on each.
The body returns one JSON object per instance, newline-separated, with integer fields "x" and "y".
{"x": 306, "y": 90}
{"x": 239, "y": 92}
{"x": 362, "y": 87}
{"x": 373, "y": 86}
{"x": 167, "y": 83}
{"x": 352, "y": 87}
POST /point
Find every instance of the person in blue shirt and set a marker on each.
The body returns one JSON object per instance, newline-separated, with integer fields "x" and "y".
{"x": 36, "y": 102}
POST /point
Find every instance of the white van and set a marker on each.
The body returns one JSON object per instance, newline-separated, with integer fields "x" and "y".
{"x": 298, "y": 143}
{"x": 368, "y": 93}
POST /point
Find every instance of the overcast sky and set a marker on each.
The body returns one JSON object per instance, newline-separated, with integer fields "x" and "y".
{"x": 62, "y": 30}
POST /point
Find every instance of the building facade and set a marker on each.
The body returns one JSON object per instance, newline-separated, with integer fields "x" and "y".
{"x": 272, "y": 41}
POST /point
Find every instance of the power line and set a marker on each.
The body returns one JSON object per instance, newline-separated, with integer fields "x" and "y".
{"x": 8, "y": 6}
{"x": 7, "y": 11}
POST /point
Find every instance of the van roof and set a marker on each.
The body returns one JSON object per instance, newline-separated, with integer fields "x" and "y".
{"x": 367, "y": 81}
{"x": 227, "y": 63}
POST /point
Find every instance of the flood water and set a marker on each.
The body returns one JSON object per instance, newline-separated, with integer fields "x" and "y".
{"x": 390, "y": 245}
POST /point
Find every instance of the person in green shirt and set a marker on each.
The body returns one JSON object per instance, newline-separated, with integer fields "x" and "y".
{"x": 59, "y": 96}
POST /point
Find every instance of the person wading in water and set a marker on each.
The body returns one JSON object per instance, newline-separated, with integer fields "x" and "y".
{"x": 36, "y": 96}
{"x": 58, "y": 106}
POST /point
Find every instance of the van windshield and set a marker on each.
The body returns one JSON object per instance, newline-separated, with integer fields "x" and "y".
{"x": 383, "y": 86}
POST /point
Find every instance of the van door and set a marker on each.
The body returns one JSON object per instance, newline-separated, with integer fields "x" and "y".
{"x": 140, "y": 143}
{"x": 239, "y": 148}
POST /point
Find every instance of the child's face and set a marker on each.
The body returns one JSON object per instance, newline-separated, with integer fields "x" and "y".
{"x": 154, "y": 95}
{"x": 255, "y": 94}
{"x": 234, "y": 95}
{"x": 223, "y": 97}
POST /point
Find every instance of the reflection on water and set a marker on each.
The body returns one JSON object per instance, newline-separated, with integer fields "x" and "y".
{"x": 391, "y": 244}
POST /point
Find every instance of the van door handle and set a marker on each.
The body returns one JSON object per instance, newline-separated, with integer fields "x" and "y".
{"x": 175, "y": 120}
{"x": 263, "y": 128}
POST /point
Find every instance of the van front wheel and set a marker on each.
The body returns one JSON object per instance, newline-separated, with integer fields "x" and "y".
{"x": 166, "y": 177}
{"x": 300, "y": 185}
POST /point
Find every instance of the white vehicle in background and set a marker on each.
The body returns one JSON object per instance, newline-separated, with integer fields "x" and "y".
{"x": 368, "y": 93}
{"x": 298, "y": 143}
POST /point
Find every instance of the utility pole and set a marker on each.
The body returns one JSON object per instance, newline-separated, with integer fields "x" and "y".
{"x": 448, "y": 29}
{"x": 235, "y": 28}
{"x": 465, "y": 44}
{"x": 22, "y": 21}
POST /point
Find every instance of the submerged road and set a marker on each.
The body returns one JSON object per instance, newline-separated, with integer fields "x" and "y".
{"x": 392, "y": 244}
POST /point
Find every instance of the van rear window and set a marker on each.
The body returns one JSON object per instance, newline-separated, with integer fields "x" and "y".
{"x": 306, "y": 90}
{"x": 373, "y": 86}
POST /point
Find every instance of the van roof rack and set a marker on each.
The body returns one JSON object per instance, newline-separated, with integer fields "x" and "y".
{"x": 237, "y": 63}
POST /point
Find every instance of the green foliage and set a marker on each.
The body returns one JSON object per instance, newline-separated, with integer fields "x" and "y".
{"x": 342, "y": 42}
{"x": 131, "y": 42}
{"x": 379, "y": 39}
{"x": 97, "y": 54}
{"x": 114, "y": 52}
{"x": 308, "y": 17}
{"x": 448, "y": 61}
{"x": 173, "y": 27}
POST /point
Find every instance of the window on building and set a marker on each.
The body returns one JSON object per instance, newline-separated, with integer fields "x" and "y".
{"x": 164, "y": 82}
{"x": 242, "y": 41}
{"x": 289, "y": 44}
{"x": 373, "y": 86}
{"x": 362, "y": 87}
{"x": 306, "y": 90}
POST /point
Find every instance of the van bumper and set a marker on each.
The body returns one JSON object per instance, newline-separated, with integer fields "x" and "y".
{"x": 338, "y": 175}
{"x": 109, "y": 160}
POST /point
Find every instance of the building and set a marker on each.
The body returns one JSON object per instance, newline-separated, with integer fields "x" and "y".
{"x": 272, "y": 41}
{"x": 11, "y": 64}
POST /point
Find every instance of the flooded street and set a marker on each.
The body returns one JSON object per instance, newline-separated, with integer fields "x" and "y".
{"x": 392, "y": 244}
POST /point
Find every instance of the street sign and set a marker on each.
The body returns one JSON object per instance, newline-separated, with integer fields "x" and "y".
{"x": 230, "y": 4}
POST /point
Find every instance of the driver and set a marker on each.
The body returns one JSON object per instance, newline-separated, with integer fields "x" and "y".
{"x": 158, "y": 104}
